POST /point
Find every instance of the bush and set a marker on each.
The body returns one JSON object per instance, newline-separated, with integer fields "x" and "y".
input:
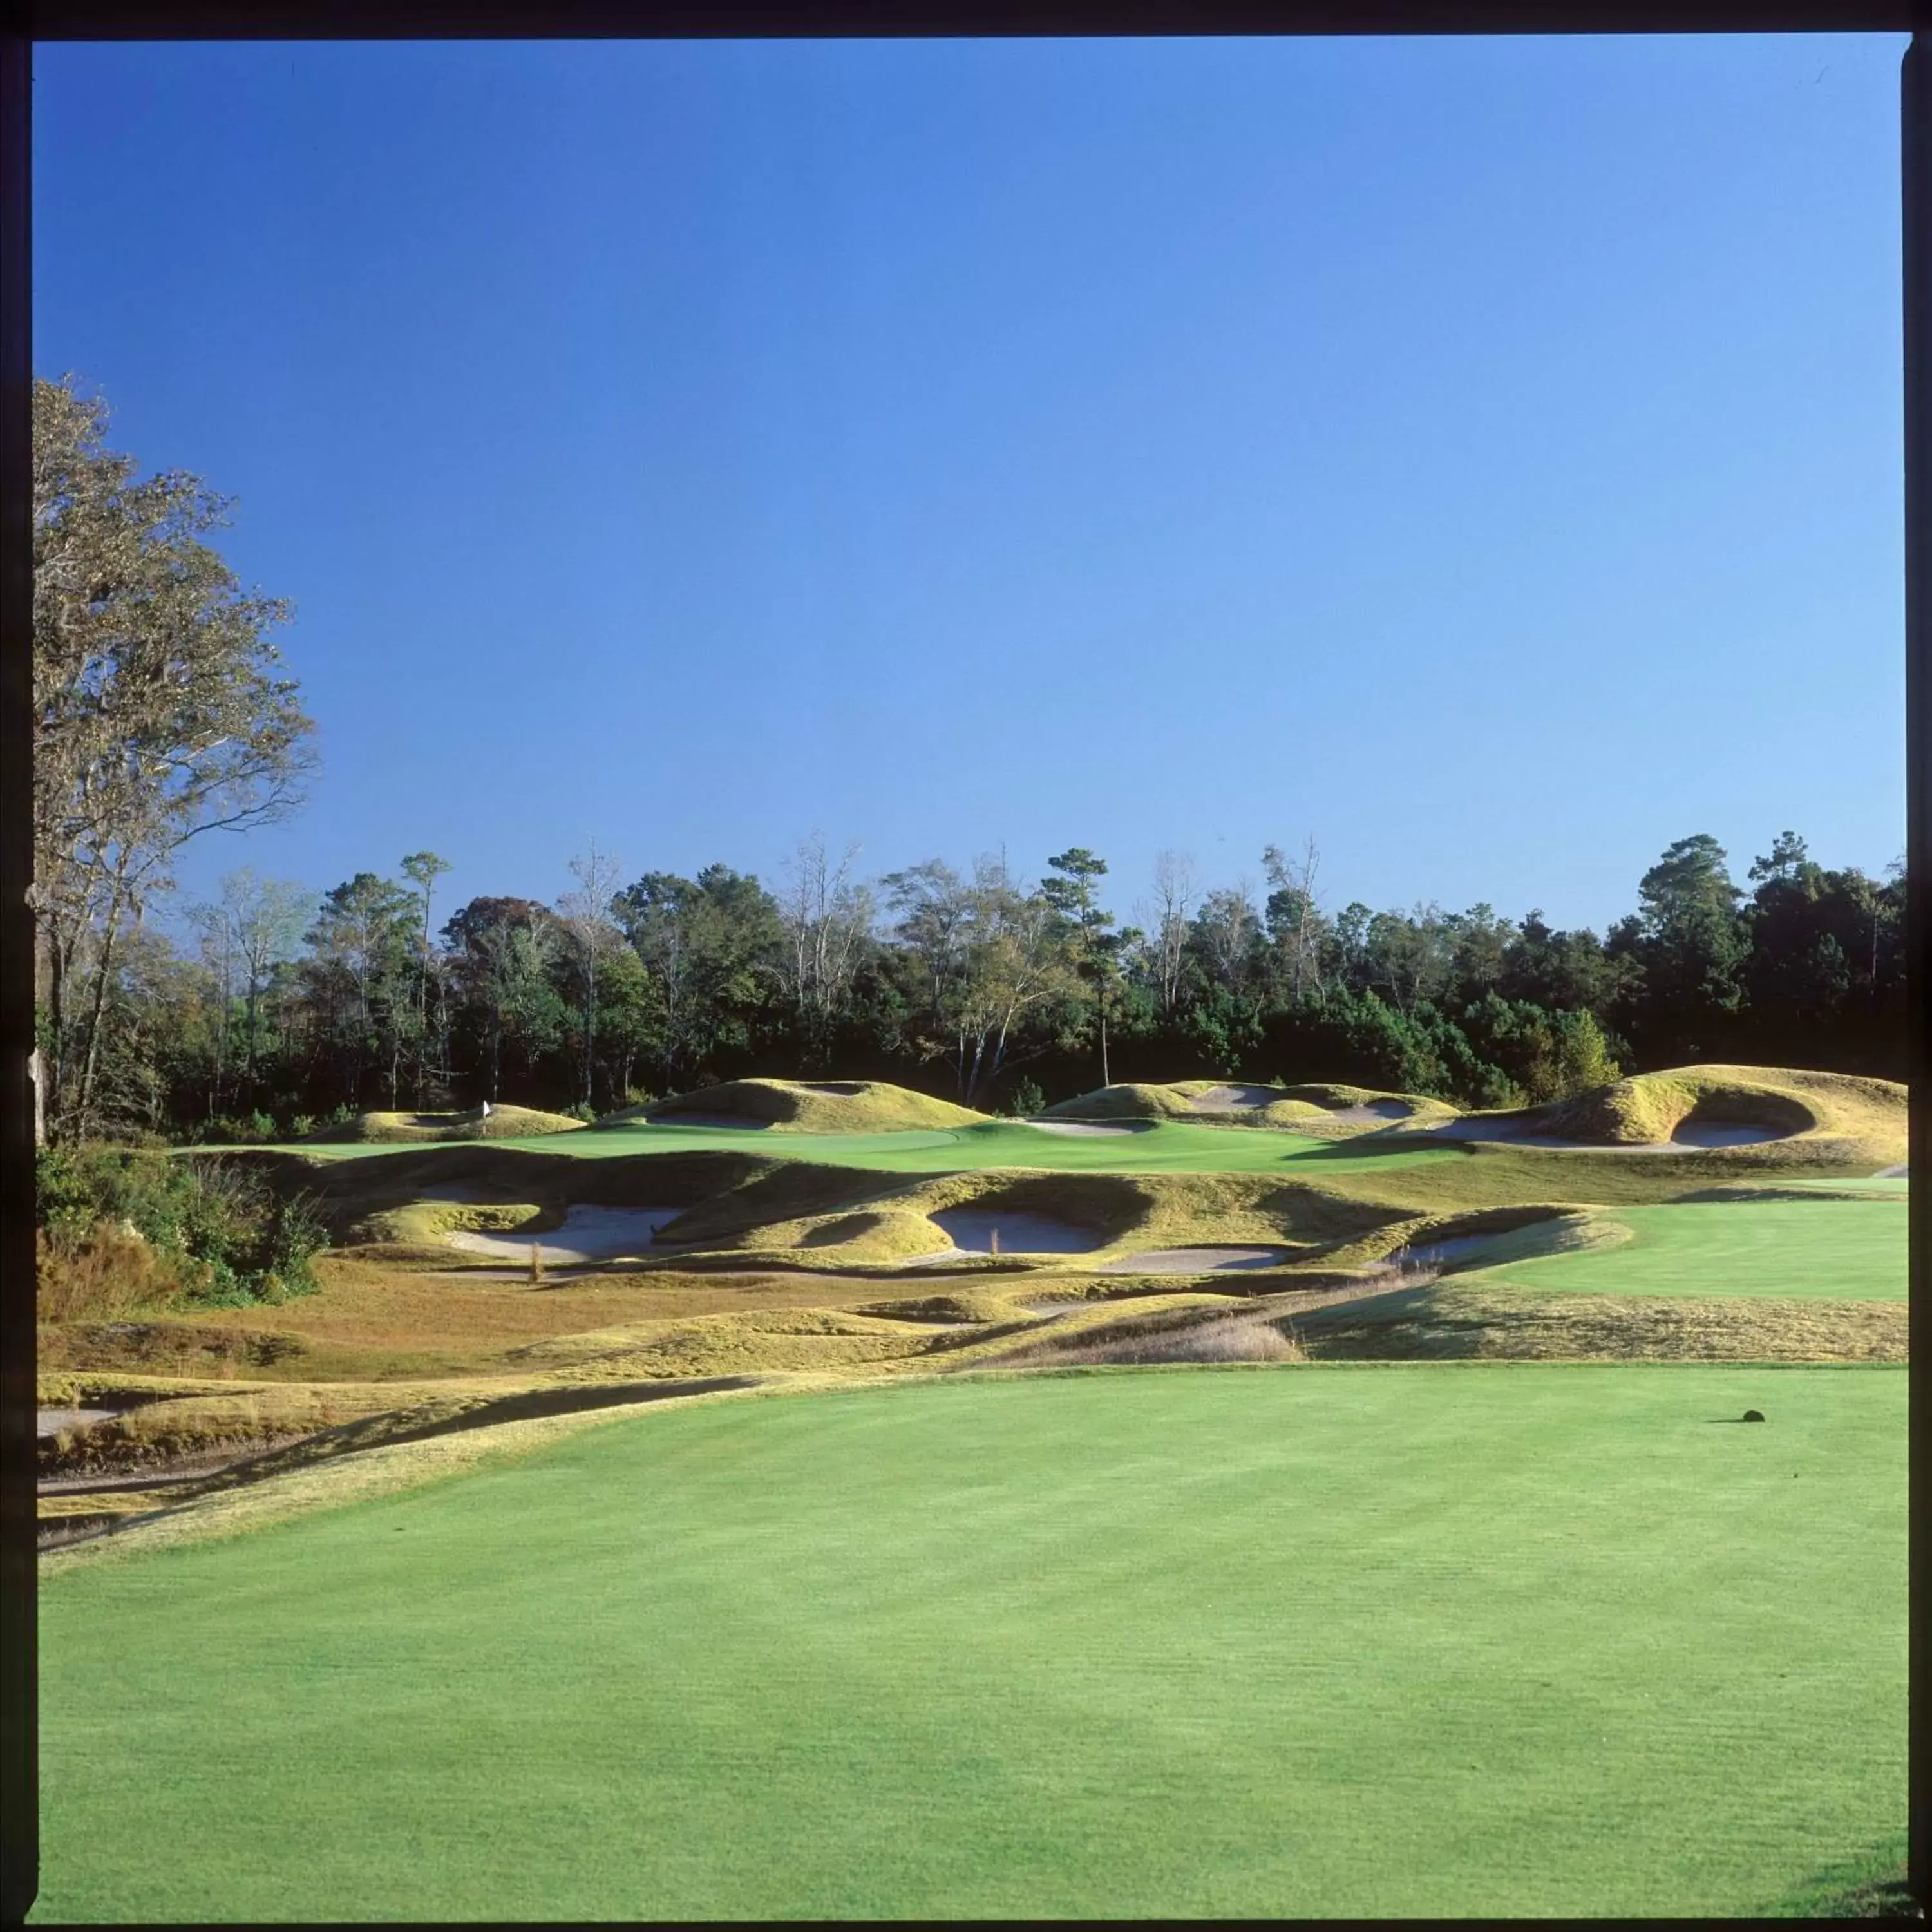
{"x": 104, "y": 1276}
{"x": 1027, "y": 1099}
{"x": 214, "y": 1232}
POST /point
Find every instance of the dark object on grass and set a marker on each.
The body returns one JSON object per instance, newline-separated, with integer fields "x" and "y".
{"x": 1753, "y": 1415}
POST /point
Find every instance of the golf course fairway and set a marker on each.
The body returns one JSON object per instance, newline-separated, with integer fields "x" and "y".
{"x": 1804, "y": 1250}
{"x": 1156, "y": 1147}
{"x": 1369, "y": 1640}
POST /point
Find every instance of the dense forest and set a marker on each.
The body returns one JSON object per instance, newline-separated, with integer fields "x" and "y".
{"x": 164, "y": 714}
{"x": 1000, "y": 992}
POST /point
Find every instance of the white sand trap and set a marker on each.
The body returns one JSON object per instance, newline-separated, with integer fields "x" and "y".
{"x": 1085, "y": 1127}
{"x": 1897, "y": 1173}
{"x": 49, "y": 1422}
{"x": 588, "y": 1234}
{"x": 1372, "y": 1113}
{"x": 1234, "y": 1100}
{"x": 1194, "y": 1260}
{"x": 971, "y": 1231}
{"x": 1434, "y": 1254}
{"x": 1686, "y": 1134}
{"x": 1725, "y": 1133}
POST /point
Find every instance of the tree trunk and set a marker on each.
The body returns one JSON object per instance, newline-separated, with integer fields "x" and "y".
{"x": 83, "y": 1108}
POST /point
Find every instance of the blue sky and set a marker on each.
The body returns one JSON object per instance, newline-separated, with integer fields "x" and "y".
{"x": 1483, "y": 455}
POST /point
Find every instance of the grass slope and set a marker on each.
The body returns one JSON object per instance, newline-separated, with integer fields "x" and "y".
{"x": 501, "y": 1123}
{"x": 1807, "y": 1250}
{"x": 807, "y": 1107}
{"x": 1521, "y": 1640}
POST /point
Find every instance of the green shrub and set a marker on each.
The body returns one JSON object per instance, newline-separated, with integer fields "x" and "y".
{"x": 218, "y": 1232}
{"x": 1027, "y": 1099}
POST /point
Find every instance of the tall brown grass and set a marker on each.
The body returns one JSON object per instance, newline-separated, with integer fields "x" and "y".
{"x": 1234, "y": 1338}
{"x": 101, "y": 1275}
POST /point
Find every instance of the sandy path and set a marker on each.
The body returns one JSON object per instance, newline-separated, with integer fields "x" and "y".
{"x": 1194, "y": 1260}
{"x": 588, "y": 1234}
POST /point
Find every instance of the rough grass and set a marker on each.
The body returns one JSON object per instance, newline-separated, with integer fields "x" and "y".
{"x": 807, "y": 1107}
{"x": 1049, "y": 1645}
{"x": 1474, "y": 1318}
{"x": 500, "y": 1123}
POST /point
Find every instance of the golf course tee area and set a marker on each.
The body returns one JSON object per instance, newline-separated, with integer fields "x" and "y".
{"x": 1519, "y": 1640}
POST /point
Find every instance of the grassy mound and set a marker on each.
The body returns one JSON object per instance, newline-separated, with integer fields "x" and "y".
{"x": 807, "y": 1107}
{"x": 1319, "y": 1108}
{"x": 1820, "y": 1117}
{"x": 499, "y": 1123}
{"x": 1024, "y": 1646}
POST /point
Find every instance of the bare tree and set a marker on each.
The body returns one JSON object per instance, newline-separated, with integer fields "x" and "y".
{"x": 1174, "y": 889}
{"x": 585, "y": 914}
{"x": 1227, "y": 925}
{"x": 268, "y": 917}
{"x": 828, "y": 920}
{"x": 1293, "y": 917}
{"x": 422, "y": 869}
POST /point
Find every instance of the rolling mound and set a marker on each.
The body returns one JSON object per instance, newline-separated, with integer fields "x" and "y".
{"x": 1321, "y": 1107}
{"x": 499, "y": 1123}
{"x": 1771, "y": 1115}
{"x": 804, "y": 1107}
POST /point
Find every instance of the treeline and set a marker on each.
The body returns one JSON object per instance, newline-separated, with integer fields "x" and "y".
{"x": 290, "y": 1009}
{"x": 162, "y": 712}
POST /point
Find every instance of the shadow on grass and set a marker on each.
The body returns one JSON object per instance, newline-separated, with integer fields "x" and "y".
{"x": 1878, "y": 1887}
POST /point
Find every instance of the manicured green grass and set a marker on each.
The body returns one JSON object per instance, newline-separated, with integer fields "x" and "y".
{"x": 1522, "y": 1640}
{"x": 1167, "y": 1147}
{"x": 1822, "y": 1250}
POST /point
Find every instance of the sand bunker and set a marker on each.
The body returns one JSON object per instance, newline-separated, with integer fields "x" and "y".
{"x": 1436, "y": 1254}
{"x": 1897, "y": 1173}
{"x": 1234, "y": 1100}
{"x": 1194, "y": 1260}
{"x": 49, "y": 1422}
{"x": 1687, "y": 1134}
{"x": 1372, "y": 1113}
{"x": 971, "y": 1231}
{"x": 588, "y": 1234}
{"x": 1090, "y": 1126}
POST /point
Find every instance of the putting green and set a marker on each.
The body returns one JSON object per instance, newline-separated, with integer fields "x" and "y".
{"x": 1807, "y": 1250}
{"x": 1382, "y": 1641}
{"x": 1165, "y": 1146}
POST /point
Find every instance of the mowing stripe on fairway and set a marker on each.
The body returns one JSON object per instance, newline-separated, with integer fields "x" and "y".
{"x": 1525, "y": 1640}
{"x": 1807, "y": 1250}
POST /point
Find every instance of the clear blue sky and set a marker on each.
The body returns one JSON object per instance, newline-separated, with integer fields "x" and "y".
{"x": 1482, "y": 454}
